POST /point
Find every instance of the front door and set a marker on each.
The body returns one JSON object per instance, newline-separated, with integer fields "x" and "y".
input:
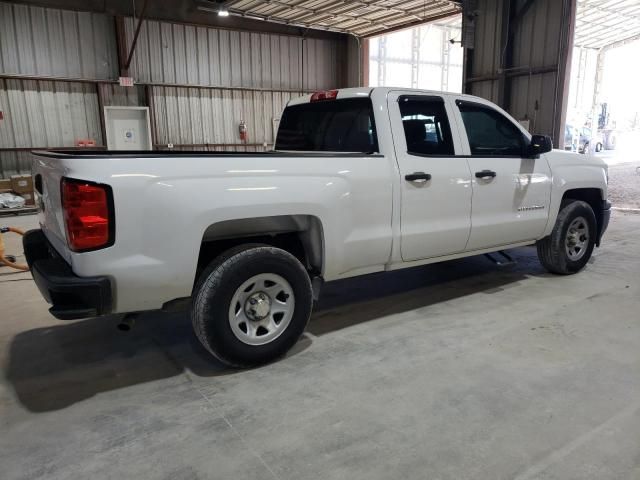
{"x": 435, "y": 185}
{"x": 511, "y": 192}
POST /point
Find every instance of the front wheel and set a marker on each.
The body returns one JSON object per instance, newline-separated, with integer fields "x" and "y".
{"x": 570, "y": 245}
{"x": 251, "y": 305}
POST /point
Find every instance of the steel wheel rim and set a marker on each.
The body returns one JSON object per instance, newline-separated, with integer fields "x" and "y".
{"x": 261, "y": 309}
{"x": 577, "y": 239}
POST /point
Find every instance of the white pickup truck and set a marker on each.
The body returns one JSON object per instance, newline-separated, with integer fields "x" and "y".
{"x": 361, "y": 180}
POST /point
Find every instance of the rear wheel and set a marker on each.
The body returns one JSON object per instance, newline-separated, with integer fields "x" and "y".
{"x": 570, "y": 245}
{"x": 251, "y": 305}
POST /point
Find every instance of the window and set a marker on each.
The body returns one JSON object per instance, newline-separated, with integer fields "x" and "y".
{"x": 489, "y": 132}
{"x": 426, "y": 127}
{"x": 329, "y": 126}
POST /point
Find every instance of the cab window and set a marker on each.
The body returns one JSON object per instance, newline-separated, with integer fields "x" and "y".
{"x": 426, "y": 126}
{"x": 489, "y": 132}
{"x": 345, "y": 125}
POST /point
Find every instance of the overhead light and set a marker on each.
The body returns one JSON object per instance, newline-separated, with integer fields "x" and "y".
{"x": 219, "y": 7}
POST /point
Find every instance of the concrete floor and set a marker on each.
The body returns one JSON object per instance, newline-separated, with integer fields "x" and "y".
{"x": 624, "y": 172}
{"x": 452, "y": 371}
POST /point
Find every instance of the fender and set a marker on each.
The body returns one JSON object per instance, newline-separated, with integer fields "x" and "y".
{"x": 572, "y": 171}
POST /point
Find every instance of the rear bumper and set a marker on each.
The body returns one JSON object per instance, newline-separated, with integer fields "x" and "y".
{"x": 604, "y": 221}
{"x": 71, "y": 296}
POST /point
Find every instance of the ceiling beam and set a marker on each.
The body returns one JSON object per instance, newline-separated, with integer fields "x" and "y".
{"x": 341, "y": 15}
{"x": 411, "y": 24}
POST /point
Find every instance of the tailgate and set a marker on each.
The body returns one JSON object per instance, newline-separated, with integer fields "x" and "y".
{"x": 48, "y": 173}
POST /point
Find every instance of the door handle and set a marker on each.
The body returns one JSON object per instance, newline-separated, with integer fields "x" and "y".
{"x": 418, "y": 177}
{"x": 486, "y": 174}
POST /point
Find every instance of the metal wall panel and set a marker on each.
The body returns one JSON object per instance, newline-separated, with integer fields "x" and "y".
{"x": 535, "y": 76}
{"x": 14, "y": 163}
{"x": 203, "y": 117}
{"x": 201, "y": 56}
{"x": 354, "y": 62}
{"x": 486, "y": 54}
{"x": 56, "y": 43}
{"x": 113, "y": 95}
{"x": 42, "y": 113}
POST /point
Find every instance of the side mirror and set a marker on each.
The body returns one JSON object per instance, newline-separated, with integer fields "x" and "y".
{"x": 539, "y": 144}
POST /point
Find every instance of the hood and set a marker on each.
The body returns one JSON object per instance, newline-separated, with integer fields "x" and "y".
{"x": 562, "y": 157}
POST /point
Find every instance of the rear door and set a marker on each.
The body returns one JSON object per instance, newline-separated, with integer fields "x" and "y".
{"x": 435, "y": 183}
{"x": 511, "y": 192}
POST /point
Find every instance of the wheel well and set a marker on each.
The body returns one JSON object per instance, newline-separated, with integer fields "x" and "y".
{"x": 300, "y": 235}
{"x": 592, "y": 196}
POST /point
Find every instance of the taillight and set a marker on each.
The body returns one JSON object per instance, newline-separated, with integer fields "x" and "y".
{"x": 88, "y": 215}
{"x": 324, "y": 95}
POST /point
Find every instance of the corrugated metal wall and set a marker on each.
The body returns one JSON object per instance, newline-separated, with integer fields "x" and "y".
{"x": 44, "y": 113}
{"x": 113, "y": 95}
{"x": 13, "y": 163}
{"x": 354, "y": 62}
{"x": 254, "y": 76}
{"x": 204, "y": 117}
{"x": 536, "y": 44}
{"x": 56, "y": 43}
{"x": 202, "y": 56}
{"x": 200, "y": 82}
{"x": 536, "y": 74}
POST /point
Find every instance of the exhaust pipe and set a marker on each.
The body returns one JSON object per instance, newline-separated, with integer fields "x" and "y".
{"x": 127, "y": 322}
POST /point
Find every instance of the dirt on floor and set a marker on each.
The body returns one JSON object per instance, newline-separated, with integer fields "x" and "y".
{"x": 624, "y": 185}
{"x": 624, "y": 170}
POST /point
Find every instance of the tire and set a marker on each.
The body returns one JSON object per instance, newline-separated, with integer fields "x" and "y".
{"x": 233, "y": 329}
{"x": 561, "y": 252}
{"x": 598, "y": 147}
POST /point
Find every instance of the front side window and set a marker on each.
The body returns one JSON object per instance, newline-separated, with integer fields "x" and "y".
{"x": 426, "y": 126}
{"x": 489, "y": 132}
{"x": 345, "y": 125}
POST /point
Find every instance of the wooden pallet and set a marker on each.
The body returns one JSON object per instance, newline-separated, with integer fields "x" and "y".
{"x": 9, "y": 212}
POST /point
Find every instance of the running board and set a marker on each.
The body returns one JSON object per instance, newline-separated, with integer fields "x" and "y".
{"x": 506, "y": 261}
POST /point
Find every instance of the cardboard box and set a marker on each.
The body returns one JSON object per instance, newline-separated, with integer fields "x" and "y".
{"x": 5, "y": 184}
{"x": 22, "y": 183}
{"x": 29, "y": 199}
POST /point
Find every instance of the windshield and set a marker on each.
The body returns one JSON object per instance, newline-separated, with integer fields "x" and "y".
{"x": 329, "y": 126}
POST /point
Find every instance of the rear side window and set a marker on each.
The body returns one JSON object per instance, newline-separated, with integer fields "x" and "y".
{"x": 489, "y": 132}
{"x": 329, "y": 126}
{"x": 426, "y": 126}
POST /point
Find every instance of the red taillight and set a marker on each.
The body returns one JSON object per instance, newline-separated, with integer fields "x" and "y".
{"x": 324, "y": 95}
{"x": 87, "y": 215}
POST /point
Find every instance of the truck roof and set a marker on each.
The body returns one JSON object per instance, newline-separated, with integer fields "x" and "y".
{"x": 367, "y": 91}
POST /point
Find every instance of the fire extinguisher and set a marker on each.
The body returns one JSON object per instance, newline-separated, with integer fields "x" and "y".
{"x": 242, "y": 128}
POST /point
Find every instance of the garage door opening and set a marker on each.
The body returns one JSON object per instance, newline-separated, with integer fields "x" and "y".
{"x": 427, "y": 57}
{"x": 603, "y": 113}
